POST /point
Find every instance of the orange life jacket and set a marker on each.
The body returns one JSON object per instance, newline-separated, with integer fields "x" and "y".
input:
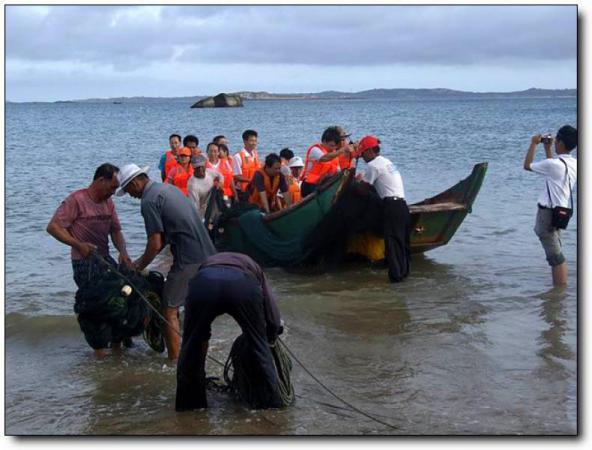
{"x": 346, "y": 161}
{"x": 179, "y": 177}
{"x": 319, "y": 170}
{"x": 225, "y": 169}
{"x": 249, "y": 165}
{"x": 169, "y": 162}
{"x": 294, "y": 188}
{"x": 271, "y": 190}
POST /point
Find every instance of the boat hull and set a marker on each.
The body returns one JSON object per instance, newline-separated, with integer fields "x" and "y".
{"x": 283, "y": 238}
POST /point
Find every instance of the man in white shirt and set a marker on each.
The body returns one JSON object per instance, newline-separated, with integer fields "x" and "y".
{"x": 386, "y": 179}
{"x": 560, "y": 178}
{"x": 202, "y": 182}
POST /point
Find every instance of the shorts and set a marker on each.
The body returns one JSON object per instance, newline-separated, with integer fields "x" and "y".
{"x": 176, "y": 285}
{"x": 549, "y": 236}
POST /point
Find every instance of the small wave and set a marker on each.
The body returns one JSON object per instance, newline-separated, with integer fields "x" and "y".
{"x": 504, "y": 232}
{"x": 24, "y": 326}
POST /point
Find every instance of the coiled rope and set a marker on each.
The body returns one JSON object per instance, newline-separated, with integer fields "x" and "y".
{"x": 238, "y": 374}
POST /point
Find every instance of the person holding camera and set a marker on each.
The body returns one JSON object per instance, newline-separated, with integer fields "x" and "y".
{"x": 555, "y": 202}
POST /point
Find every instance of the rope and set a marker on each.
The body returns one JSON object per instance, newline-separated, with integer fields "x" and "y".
{"x": 133, "y": 286}
{"x": 286, "y": 390}
{"x": 352, "y": 407}
{"x": 283, "y": 367}
{"x": 239, "y": 376}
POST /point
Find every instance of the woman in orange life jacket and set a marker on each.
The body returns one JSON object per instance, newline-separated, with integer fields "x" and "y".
{"x": 322, "y": 159}
{"x": 169, "y": 158}
{"x": 180, "y": 174}
{"x": 266, "y": 183}
{"x": 296, "y": 165}
{"x": 245, "y": 163}
{"x": 222, "y": 166}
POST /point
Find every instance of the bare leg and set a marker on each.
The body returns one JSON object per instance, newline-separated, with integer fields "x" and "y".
{"x": 100, "y": 353}
{"x": 172, "y": 335}
{"x": 560, "y": 274}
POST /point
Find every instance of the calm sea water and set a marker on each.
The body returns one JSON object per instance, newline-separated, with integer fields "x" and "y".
{"x": 474, "y": 342}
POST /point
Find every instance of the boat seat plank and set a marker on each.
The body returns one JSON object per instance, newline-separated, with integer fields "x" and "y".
{"x": 436, "y": 207}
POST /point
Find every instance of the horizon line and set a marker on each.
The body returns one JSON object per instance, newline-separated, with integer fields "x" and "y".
{"x": 292, "y": 94}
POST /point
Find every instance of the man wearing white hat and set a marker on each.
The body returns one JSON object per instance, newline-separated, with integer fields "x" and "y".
{"x": 169, "y": 218}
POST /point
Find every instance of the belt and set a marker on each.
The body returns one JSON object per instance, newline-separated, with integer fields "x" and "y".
{"x": 393, "y": 198}
{"x": 543, "y": 207}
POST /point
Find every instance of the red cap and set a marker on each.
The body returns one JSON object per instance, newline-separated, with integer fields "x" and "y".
{"x": 185, "y": 151}
{"x": 366, "y": 143}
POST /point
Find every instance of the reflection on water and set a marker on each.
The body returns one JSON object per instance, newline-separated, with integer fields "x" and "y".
{"x": 553, "y": 313}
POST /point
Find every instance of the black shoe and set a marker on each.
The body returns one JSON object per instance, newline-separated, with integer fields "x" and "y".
{"x": 128, "y": 343}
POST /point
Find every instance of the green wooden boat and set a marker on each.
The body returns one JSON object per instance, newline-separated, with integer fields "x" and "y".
{"x": 284, "y": 238}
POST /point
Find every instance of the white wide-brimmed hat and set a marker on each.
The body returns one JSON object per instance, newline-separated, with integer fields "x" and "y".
{"x": 296, "y": 161}
{"x": 127, "y": 174}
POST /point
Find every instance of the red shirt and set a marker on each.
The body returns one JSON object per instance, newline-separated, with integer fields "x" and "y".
{"x": 88, "y": 221}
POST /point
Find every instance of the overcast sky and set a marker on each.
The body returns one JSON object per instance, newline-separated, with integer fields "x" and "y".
{"x": 73, "y": 52}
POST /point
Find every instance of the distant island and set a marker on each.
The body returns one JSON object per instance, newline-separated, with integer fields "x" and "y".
{"x": 395, "y": 94}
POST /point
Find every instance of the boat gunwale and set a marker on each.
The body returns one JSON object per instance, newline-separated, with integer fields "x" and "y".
{"x": 458, "y": 197}
{"x": 342, "y": 178}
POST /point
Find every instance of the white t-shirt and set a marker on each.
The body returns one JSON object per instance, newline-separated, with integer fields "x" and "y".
{"x": 285, "y": 170}
{"x": 199, "y": 190}
{"x": 216, "y": 168}
{"x": 554, "y": 172}
{"x": 237, "y": 162}
{"x": 385, "y": 178}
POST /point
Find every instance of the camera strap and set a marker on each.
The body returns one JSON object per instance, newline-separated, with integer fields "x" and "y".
{"x": 568, "y": 184}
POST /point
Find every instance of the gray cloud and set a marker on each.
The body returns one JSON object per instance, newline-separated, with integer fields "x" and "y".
{"x": 129, "y": 37}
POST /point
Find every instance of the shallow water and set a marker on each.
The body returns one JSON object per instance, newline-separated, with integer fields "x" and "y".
{"x": 474, "y": 342}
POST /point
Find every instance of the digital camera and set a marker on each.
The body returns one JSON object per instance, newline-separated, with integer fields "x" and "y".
{"x": 547, "y": 139}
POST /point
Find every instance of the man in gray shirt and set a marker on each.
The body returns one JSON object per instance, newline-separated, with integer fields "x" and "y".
{"x": 169, "y": 218}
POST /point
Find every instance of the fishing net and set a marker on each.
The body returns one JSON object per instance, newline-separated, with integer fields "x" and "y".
{"x": 153, "y": 332}
{"x": 245, "y": 378}
{"x": 106, "y": 315}
{"x": 323, "y": 247}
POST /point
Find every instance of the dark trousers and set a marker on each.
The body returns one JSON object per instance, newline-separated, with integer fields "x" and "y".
{"x": 396, "y": 229}
{"x": 215, "y": 291}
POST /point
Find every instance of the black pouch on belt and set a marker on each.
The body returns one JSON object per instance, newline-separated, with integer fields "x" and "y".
{"x": 561, "y": 217}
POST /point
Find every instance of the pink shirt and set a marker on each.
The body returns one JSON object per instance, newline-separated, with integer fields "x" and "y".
{"x": 88, "y": 221}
